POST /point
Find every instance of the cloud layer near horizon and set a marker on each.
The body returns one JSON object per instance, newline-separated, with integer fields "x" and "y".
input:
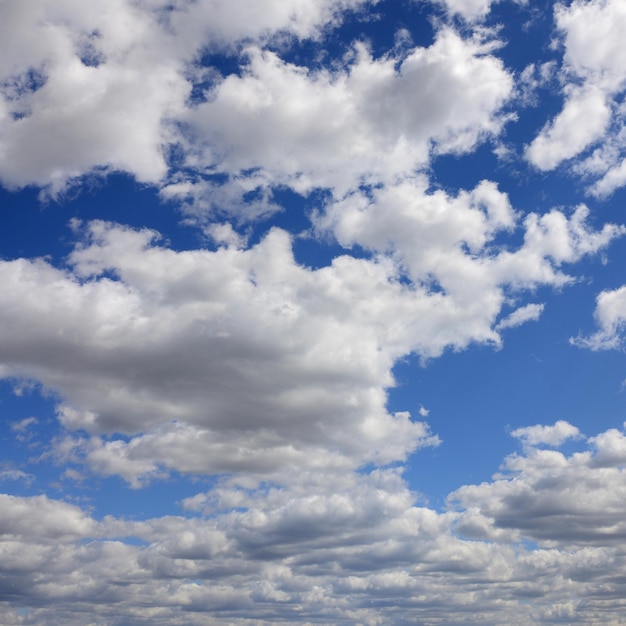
{"x": 531, "y": 545}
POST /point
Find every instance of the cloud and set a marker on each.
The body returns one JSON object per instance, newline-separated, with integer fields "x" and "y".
{"x": 610, "y": 316}
{"x": 103, "y": 88}
{"x": 583, "y": 120}
{"x": 23, "y": 425}
{"x": 133, "y": 68}
{"x": 338, "y": 547}
{"x": 14, "y": 475}
{"x": 370, "y": 120}
{"x": 550, "y": 435}
{"x": 471, "y": 10}
{"x": 230, "y": 360}
{"x": 242, "y": 360}
{"x": 555, "y": 499}
{"x": 265, "y": 382}
{"x": 527, "y": 313}
{"x": 594, "y": 81}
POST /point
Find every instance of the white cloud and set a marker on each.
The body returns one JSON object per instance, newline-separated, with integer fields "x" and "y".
{"x": 339, "y": 547}
{"x": 471, "y": 10}
{"x": 230, "y": 360}
{"x": 554, "y": 499}
{"x": 583, "y": 120}
{"x": 42, "y": 518}
{"x": 594, "y": 80}
{"x": 131, "y": 67}
{"x": 610, "y": 315}
{"x": 102, "y": 87}
{"x": 268, "y": 379}
{"x": 241, "y": 360}
{"x": 368, "y": 121}
{"x": 550, "y": 435}
{"x": 102, "y": 97}
{"x": 526, "y": 313}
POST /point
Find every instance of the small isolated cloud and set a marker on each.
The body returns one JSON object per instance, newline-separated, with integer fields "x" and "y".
{"x": 610, "y": 316}
{"x": 349, "y": 214}
{"x": 528, "y": 313}
{"x": 23, "y": 425}
{"x": 547, "y": 435}
{"x": 589, "y": 127}
{"x": 15, "y": 475}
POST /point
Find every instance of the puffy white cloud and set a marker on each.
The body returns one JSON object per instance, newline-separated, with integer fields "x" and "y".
{"x": 132, "y": 66}
{"x": 526, "y": 313}
{"x": 555, "y": 499}
{"x": 338, "y": 547}
{"x": 592, "y": 115}
{"x": 583, "y": 120}
{"x": 446, "y": 242}
{"x": 268, "y": 379}
{"x": 83, "y": 88}
{"x": 550, "y": 435}
{"x": 371, "y": 121}
{"x": 469, "y": 9}
{"x": 242, "y": 360}
{"x": 42, "y": 518}
{"x": 610, "y": 315}
{"x": 102, "y": 87}
{"x": 215, "y": 361}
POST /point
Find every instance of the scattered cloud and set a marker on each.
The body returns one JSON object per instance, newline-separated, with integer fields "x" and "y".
{"x": 610, "y": 315}
{"x": 548, "y": 435}
{"x": 526, "y": 313}
{"x": 259, "y": 379}
{"x": 589, "y": 127}
{"x": 545, "y": 528}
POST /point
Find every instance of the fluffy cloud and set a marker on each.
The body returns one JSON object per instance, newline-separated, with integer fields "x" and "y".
{"x": 133, "y": 66}
{"x": 550, "y": 435}
{"x": 592, "y": 115}
{"x": 610, "y": 315}
{"x": 339, "y": 548}
{"x": 371, "y": 121}
{"x": 263, "y": 379}
{"x": 226, "y": 361}
{"x": 553, "y": 498}
{"x": 583, "y": 120}
{"x": 446, "y": 242}
{"x": 240, "y": 360}
{"x": 103, "y": 87}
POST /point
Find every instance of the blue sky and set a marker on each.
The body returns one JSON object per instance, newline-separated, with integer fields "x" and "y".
{"x": 312, "y": 312}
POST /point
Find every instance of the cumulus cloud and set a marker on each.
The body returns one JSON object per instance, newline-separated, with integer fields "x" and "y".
{"x": 264, "y": 380}
{"x": 370, "y": 121}
{"x": 239, "y": 360}
{"x": 133, "y": 67}
{"x": 224, "y": 361}
{"x": 555, "y": 499}
{"x": 610, "y": 315}
{"x": 583, "y": 120}
{"x": 594, "y": 80}
{"x": 550, "y": 435}
{"x": 103, "y": 87}
{"x": 327, "y": 548}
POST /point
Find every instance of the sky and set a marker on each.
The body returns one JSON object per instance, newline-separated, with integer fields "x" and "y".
{"x": 312, "y": 312}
